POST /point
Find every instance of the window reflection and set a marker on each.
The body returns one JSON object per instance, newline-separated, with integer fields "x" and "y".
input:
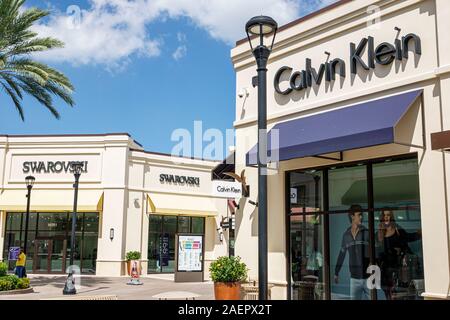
{"x": 340, "y": 266}
{"x": 398, "y": 229}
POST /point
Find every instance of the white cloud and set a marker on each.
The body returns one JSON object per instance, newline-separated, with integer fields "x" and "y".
{"x": 110, "y": 32}
{"x": 180, "y": 52}
{"x": 181, "y": 37}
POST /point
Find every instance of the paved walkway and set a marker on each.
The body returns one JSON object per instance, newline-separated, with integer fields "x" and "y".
{"x": 51, "y": 286}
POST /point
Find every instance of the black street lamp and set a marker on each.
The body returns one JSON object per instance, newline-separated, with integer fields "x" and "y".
{"x": 262, "y": 26}
{"x": 76, "y": 168}
{"x": 29, "y": 180}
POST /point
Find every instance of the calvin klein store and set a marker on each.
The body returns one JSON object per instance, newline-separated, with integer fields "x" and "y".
{"x": 128, "y": 200}
{"x": 357, "y": 187}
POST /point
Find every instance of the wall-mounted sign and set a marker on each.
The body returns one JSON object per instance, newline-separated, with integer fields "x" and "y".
{"x": 51, "y": 166}
{"x": 293, "y": 195}
{"x": 384, "y": 54}
{"x": 171, "y": 178}
{"x": 226, "y": 189}
{"x": 13, "y": 253}
{"x": 190, "y": 253}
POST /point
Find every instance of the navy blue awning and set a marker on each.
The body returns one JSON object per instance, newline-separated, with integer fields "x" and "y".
{"x": 364, "y": 125}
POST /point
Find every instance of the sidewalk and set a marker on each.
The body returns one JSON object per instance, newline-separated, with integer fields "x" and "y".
{"x": 51, "y": 286}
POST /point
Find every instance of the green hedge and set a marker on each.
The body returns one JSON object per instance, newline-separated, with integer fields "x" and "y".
{"x": 11, "y": 282}
{"x": 3, "y": 269}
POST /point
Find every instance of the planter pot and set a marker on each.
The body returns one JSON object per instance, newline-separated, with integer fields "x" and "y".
{"x": 130, "y": 263}
{"x": 227, "y": 290}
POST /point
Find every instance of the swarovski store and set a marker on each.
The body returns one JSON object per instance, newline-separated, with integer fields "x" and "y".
{"x": 357, "y": 191}
{"x": 128, "y": 200}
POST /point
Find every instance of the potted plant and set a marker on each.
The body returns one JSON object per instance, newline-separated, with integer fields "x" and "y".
{"x": 227, "y": 273}
{"x": 133, "y": 256}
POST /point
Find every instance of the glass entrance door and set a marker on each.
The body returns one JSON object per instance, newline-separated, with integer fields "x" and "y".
{"x": 49, "y": 256}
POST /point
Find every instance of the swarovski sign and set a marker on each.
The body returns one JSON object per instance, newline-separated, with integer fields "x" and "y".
{"x": 384, "y": 54}
{"x": 170, "y": 178}
{"x": 51, "y": 167}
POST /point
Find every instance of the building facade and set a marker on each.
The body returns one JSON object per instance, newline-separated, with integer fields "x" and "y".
{"x": 355, "y": 92}
{"x": 128, "y": 200}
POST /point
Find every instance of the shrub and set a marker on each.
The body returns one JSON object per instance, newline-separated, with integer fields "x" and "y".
{"x": 23, "y": 283}
{"x": 11, "y": 278}
{"x": 133, "y": 255}
{"x": 228, "y": 269}
{"x": 3, "y": 269}
{"x": 6, "y": 284}
{"x": 12, "y": 282}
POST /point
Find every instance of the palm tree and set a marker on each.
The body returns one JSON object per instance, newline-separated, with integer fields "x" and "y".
{"x": 19, "y": 74}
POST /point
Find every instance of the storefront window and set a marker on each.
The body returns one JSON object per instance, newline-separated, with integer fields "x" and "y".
{"x": 398, "y": 229}
{"x": 371, "y": 220}
{"x": 161, "y": 239}
{"x": 184, "y": 225}
{"x": 349, "y": 256}
{"x": 198, "y": 225}
{"x": 48, "y": 243}
{"x": 347, "y": 186}
{"x": 349, "y": 236}
{"x": 306, "y": 236}
{"x": 306, "y": 192}
{"x": 52, "y": 222}
{"x": 14, "y": 221}
{"x": 307, "y": 257}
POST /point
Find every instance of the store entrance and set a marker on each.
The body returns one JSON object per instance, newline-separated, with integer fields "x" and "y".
{"x": 48, "y": 240}
{"x": 50, "y": 255}
{"x": 161, "y": 239}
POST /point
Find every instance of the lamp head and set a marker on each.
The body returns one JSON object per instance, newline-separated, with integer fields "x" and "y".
{"x": 262, "y": 26}
{"x": 29, "y": 180}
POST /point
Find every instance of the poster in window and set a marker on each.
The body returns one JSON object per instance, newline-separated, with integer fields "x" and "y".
{"x": 164, "y": 243}
{"x": 190, "y": 250}
{"x": 14, "y": 253}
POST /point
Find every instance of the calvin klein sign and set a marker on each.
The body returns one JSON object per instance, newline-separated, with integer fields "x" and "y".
{"x": 170, "y": 178}
{"x": 51, "y": 167}
{"x": 226, "y": 189}
{"x": 384, "y": 54}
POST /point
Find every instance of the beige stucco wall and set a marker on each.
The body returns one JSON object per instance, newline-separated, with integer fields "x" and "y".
{"x": 333, "y": 31}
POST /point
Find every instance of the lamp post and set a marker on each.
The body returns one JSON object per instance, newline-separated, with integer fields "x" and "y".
{"x": 76, "y": 168}
{"x": 261, "y": 27}
{"x": 29, "y": 180}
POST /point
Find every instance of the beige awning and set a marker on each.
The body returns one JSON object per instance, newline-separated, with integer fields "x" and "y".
{"x": 51, "y": 200}
{"x": 174, "y": 204}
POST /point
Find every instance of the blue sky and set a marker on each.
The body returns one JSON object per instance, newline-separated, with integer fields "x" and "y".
{"x": 145, "y": 67}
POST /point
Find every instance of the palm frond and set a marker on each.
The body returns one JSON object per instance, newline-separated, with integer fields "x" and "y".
{"x": 15, "y": 99}
{"x": 19, "y": 73}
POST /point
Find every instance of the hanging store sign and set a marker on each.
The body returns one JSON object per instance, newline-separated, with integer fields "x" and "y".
{"x": 226, "y": 189}
{"x": 51, "y": 167}
{"x": 384, "y": 54}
